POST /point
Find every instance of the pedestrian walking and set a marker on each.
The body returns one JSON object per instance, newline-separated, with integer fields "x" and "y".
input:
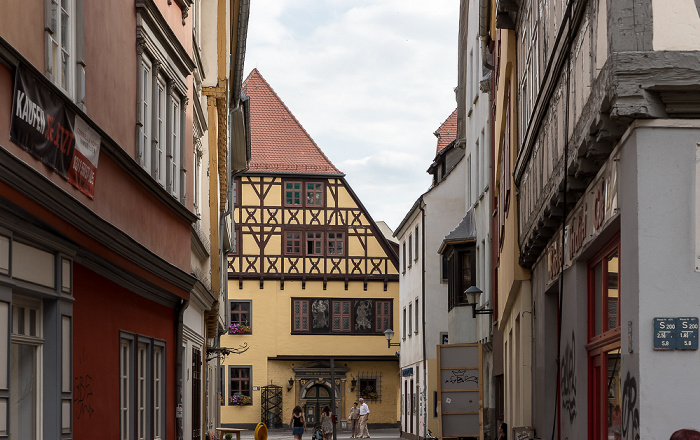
{"x": 364, "y": 418}
{"x": 298, "y": 424}
{"x": 327, "y": 423}
{"x": 503, "y": 431}
{"x": 354, "y": 419}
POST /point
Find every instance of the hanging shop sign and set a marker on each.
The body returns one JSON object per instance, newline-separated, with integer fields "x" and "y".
{"x": 43, "y": 125}
{"x": 592, "y": 212}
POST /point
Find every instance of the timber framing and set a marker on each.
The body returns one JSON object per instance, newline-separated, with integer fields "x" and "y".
{"x": 631, "y": 84}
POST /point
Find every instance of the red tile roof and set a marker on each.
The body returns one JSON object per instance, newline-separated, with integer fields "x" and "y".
{"x": 447, "y": 132}
{"x": 279, "y": 144}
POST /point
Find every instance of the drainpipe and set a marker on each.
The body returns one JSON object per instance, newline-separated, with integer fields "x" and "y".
{"x": 484, "y": 31}
{"x": 425, "y": 374}
{"x": 179, "y": 352}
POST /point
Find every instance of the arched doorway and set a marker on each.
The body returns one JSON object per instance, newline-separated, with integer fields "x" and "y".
{"x": 316, "y": 397}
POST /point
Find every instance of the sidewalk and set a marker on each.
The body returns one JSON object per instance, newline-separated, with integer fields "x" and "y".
{"x": 286, "y": 434}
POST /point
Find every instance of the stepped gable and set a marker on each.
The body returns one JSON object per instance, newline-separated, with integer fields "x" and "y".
{"x": 279, "y": 144}
{"x": 447, "y": 132}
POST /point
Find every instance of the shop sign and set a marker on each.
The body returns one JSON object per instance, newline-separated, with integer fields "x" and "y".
{"x": 44, "y": 126}
{"x": 407, "y": 372}
{"x": 591, "y": 214}
{"x": 675, "y": 333}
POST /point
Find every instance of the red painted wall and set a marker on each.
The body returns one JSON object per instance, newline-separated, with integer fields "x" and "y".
{"x": 101, "y": 310}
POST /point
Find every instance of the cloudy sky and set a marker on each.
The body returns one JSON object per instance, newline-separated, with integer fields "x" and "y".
{"x": 370, "y": 81}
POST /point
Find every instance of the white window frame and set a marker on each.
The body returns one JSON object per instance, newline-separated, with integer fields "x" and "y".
{"x": 176, "y": 145}
{"x": 61, "y": 36}
{"x": 23, "y": 337}
{"x": 160, "y": 119}
{"x": 146, "y": 114}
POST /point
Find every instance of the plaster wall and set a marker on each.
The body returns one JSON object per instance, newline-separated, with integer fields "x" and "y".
{"x": 658, "y": 187}
{"x": 676, "y": 25}
{"x": 271, "y": 322}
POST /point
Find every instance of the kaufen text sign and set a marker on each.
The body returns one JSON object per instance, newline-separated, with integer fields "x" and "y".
{"x": 51, "y": 131}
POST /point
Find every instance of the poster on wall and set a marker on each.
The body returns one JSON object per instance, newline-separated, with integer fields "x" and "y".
{"x": 45, "y": 127}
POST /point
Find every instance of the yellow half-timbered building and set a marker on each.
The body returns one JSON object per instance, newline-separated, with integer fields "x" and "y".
{"x": 313, "y": 284}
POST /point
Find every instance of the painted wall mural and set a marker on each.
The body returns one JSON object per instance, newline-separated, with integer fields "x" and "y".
{"x": 568, "y": 379}
{"x": 630, "y": 411}
{"x": 319, "y": 313}
{"x": 363, "y": 315}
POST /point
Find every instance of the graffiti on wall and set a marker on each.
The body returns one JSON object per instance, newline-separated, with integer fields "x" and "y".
{"x": 82, "y": 396}
{"x": 461, "y": 376}
{"x": 568, "y": 379}
{"x": 630, "y": 412}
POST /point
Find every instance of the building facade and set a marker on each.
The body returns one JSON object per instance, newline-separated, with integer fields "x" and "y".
{"x": 313, "y": 284}
{"x": 606, "y": 136}
{"x": 423, "y": 282}
{"x": 102, "y": 213}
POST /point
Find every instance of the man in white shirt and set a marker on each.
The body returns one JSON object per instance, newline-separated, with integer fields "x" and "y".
{"x": 364, "y": 417}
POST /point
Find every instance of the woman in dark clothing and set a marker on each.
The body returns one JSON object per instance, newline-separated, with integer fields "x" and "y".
{"x": 503, "y": 431}
{"x": 298, "y": 424}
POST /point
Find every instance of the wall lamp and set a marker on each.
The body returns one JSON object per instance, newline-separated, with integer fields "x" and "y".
{"x": 389, "y": 334}
{"x": 291, "y": 384}
{"x": 472, "y": 295}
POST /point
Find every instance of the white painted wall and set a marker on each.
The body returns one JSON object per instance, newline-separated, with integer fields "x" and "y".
{"x": 676, "y": 25}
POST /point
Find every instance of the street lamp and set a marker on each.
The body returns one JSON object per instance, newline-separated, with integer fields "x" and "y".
{"x": 472, "y": 294}
{"x": 389, "y": 333}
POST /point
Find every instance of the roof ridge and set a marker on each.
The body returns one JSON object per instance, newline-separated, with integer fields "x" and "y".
{"x": 256, "y": 72}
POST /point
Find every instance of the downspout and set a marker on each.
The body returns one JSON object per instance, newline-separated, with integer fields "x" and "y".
{"x": 179, "y": 353}
{"x": 422, "y": 275}
{"x": 484, "y": 32}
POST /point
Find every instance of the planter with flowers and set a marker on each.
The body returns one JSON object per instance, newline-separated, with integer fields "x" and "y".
{"x": 238, "y": 329}
{"x": 369, "y": 393}
{"x": 239, "y": 400}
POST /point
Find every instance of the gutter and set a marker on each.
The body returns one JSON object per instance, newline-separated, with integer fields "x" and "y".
{"x": 484, "y": 32}
{"x": 425, "y": 362}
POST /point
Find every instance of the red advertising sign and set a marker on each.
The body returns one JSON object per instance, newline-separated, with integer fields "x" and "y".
{"x": 51, "y": 131}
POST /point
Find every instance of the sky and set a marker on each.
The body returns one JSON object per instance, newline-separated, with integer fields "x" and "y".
{"x": 369, "y": 80}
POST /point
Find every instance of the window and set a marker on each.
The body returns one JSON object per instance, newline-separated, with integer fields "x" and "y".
{"x": 383, "y": 315}
{"x": 369, "y": 387}
{"x": 403, "y": 324}
{"x": 142, "y": 378}
{"x": 462, "y": 274}
{"x": 314, "y": 243}
{"x": 341, "y": 316}
{"x": 336, "y": 243}
{"x": 415, "y": 309}
{"x": 175, "y": 149}
{"x": 403, "y": 258}
{"x": 62, "y": 61}
{"x": 410, "y": 319}
{"x": 301, "y": 316}
{"x": 314, "y": 194}
{"x": 605, "y": 390}
{"x": 410, "y": 250}
{"x": 240, "y": 317}
{"x": 417, "y": 244}
{"x": 292, "y": 245}
{"x": 163, "y": 66}
{"x": 26, "y": 399}
{"x": 240, "y": 389}
{"x": 292, "y": 194}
